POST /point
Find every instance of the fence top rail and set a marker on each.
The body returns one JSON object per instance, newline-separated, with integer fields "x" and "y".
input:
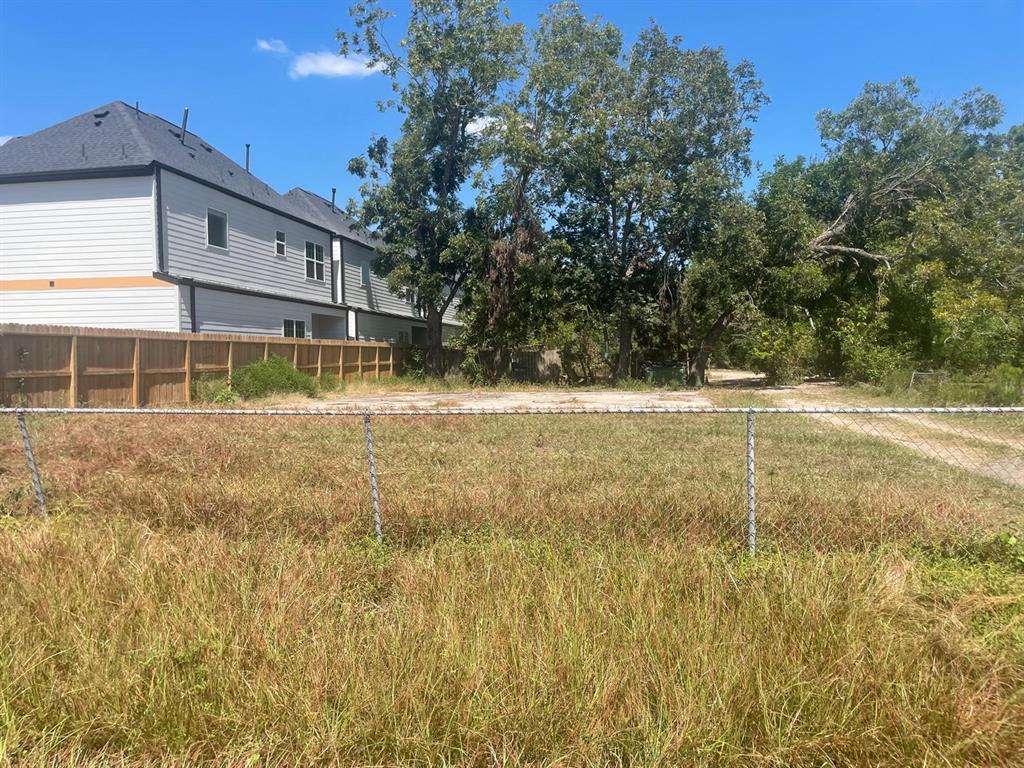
{"x": 15, "y": 329}
{"x": 535, "y": 411}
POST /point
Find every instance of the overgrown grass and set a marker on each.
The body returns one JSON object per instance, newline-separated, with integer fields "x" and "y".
{"x": 1003, "y": 385}
{"x": 566, "y": 590}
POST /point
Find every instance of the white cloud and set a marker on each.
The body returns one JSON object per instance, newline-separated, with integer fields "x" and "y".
{"x": 271, "y": 46}
{"x": 324, "y": 64}
{"x": 479, "y": 125}
{"x": 5, "y": 139}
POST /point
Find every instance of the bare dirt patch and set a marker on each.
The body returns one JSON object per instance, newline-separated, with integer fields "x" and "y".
{"x": 516, "y": 401}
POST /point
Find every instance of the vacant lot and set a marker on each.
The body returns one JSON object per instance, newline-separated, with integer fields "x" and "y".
{"x": 553, "y": 590}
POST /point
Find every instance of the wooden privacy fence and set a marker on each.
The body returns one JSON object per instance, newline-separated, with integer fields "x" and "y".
{"x": 54, "y": 366}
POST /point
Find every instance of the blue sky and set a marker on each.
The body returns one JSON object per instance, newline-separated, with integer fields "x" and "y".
{"x": 58, "y": 59}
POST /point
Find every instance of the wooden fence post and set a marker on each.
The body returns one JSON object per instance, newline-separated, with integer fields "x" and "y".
{"x": 376, "y": 362}
{"x": 73, "y": 386}
{"x": 136, "y": 373}
{"x": 231, "y": 355}
{"x": 188, "y": 370}
{"x": 266, "y": 350}
{"x": 319, "y": 360}
{"x": 295, "y": 355}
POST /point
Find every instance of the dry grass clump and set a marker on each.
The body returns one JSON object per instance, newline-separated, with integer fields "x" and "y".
{"x": 122, "y": 642}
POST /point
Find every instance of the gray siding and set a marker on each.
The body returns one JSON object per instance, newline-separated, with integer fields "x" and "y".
{"x": 383, "y": 328}
{"x": 226, "y": 312}
{"x": 376, "y": 295}
{"x": 250, "y": 260}
{"x": 379, "y": 328}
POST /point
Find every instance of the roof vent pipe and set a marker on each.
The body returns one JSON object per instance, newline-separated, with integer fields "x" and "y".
{"x": 136, "y": 110}
{"x": 334, "y": 191}
{"x": 184, "y": 125}
{"x": 247, "y": 158}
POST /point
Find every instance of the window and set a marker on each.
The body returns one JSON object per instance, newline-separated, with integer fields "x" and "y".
{"x": 364, "y": 274}
{"x": 279, "y": 243}
{"x": 403, "y": 338}
{"x": 295, "y": 329}
{"x": 216, "y": 228}
{"x": 314, "y": 261}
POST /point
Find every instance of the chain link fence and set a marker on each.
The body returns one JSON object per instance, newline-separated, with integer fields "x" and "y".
{"x": 754, "y": 479}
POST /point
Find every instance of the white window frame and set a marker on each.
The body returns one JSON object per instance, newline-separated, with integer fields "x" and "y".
{"x": 227, "y": 230}
{"x": 281, "y": 241}
{"x": 306, "y": 261}
{"x": 364, "y": 275}
{"x": 295, "y": 326}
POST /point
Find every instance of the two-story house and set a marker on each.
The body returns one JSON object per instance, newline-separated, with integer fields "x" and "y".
{"x": 120, "y": 219}
{"x": 374, "y": 311}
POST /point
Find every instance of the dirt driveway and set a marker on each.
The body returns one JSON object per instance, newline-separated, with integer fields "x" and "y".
{"x": 521, "y": 400}
{"x": 985, "y": 445}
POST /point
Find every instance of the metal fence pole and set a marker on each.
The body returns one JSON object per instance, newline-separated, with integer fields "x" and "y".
{"x": 751, "y": 480}
{"x": 30, "y": 459}
{"x": 374, "y": 492}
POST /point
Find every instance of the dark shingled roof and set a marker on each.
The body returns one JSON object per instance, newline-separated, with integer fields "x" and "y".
{"x": 116, "y": 136}
{"x": 318, "y": 209}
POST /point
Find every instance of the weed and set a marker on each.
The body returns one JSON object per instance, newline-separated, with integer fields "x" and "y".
{"x": 270, "y": 376}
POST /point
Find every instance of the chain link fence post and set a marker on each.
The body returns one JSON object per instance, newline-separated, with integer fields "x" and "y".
{"x": 371, "y": 460}
{"x": 751, "y": 486}
{"x": 30, "y": 459}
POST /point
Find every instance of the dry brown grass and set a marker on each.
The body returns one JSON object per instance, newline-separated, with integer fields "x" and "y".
{"x": 206, "y": 594}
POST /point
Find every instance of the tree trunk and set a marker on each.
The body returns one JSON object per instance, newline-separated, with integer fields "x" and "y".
{"x": 501, "y": 361}
{"x": 698, "y": 370}
{"x": 622, "y": 367}
{"x": 435, "y": 353}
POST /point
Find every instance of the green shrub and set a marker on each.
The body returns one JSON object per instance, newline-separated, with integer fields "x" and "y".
{"x": 270, "y": 376}
{"x": 214, "y": 391}
{"x": 473, "y": 370}
{"x": 414, "y": 362}
{"x": 783, "y": 353}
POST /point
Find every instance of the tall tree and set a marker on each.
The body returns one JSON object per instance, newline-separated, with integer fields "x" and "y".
{"x": 447, "y": 74}
{"x": 912, "y": 220}
{"x": 517, "y": 294}
{"x": 645, "y": 160}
